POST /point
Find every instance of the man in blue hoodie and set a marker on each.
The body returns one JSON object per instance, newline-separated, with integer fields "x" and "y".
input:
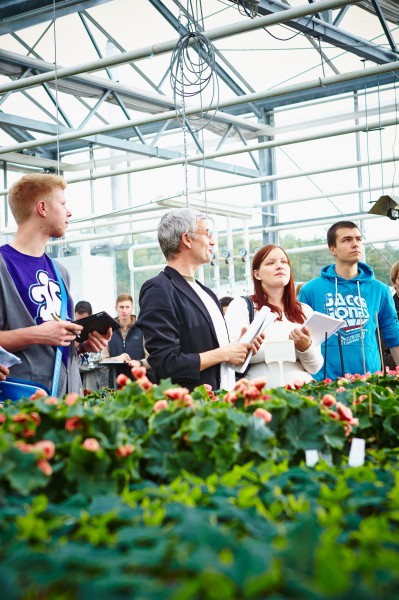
{"x": 348, "y": 290}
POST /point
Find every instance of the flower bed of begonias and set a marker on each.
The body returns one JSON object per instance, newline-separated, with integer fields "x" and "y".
{"x": 155, "y": 492}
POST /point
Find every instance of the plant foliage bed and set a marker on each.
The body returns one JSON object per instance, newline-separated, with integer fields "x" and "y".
{"x": 154, "y": 493}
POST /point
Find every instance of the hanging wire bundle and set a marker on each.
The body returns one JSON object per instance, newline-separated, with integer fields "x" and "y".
{"x": 193, "y": 68}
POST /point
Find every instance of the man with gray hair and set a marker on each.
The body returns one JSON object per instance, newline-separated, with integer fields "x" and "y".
{"x": 181, "y": 319}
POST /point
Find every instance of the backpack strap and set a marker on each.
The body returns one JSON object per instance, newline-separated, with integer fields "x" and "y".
{"x": 58, "y": 353}
{"x": 250, "y": 305}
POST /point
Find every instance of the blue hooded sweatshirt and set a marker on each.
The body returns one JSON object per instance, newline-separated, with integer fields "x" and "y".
{"x": 363, "y": 302}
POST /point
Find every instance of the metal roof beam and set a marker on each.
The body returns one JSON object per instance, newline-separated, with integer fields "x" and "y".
{"x": 19, "y": 125}
{"x": 20, "y": 14}
{"x": 384, "y": 25}
{"x": 319, "y": 92}
{"x": 330, "y": 34}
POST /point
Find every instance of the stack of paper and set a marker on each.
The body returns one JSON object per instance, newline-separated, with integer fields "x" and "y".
{"x": 321, "y": 324}
{"x": 261, "y": 320}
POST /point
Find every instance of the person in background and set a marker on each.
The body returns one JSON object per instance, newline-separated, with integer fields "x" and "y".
{"x": 395, "y": 282}
{"x": 93, "y": 377}
{"x": 394, "y": 274}
{"x": 225, "y": 301}
{"x": 348, "y": 290}
{"x": 182, "y": 320}
{"x": 32, "y": 287}
{"x": 274, "y": 287}
{"x": 83, "y": 309}
{"x": 127, "y": 343}
{"x": 298, "y": 288}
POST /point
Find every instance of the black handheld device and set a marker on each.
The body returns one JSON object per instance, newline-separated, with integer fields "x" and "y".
{"x": 100, "y": 322}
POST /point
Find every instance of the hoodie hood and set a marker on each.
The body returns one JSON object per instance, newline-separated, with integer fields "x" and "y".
{"x": 365, "y": 273}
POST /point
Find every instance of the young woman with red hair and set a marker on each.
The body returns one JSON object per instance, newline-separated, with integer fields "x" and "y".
{"x": 274, "y": 287}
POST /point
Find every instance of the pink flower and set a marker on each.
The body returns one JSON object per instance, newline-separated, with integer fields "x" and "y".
{"x": 231, "y": 397}
{"x": 20, "y": 418}
{"x": 45, "y": 467}
{"x": 122, "y": 380}
{"x": 176, "y": 393}
{"x": 344, "y": 412}
{"x": 24, "y": 447}
{"x": 259, "y": 382}
{"x": 35, "y": 418}
{"x": 71, "y": 398}
{"x": 263, "y": 414}
{"x": 360, "y": 399}
{"x": 139, "y": 372}
{"x": 341, "y": 389}
{"x": 187, "y": 400}
{"x": 333, "y": 414}
{"x": 38, "y": 394}
{"x": 209, "y": 390}
{"x": 29, "y": 433}
{"x": 328, "y": 400}
{"x": 46, "y": 447}
{"x": 348, "y": 429}
{"x": 73, "y": 423}
{"x": 298, "y": 383}
{"x": 327, "y": 381}
{"x": 51, "y": 400}
{"x": 125, "y": 450}
{"x": 241, "y": 385}
{"x": 144, "y": 383}
{"x": 252, "y": 393}
{"x": 2, "y": 418}
{"x": 91, "y": 445}
{"x": 160, "y": 405}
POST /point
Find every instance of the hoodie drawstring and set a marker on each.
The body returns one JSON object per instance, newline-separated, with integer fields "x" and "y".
{"x": 361, "y": 329}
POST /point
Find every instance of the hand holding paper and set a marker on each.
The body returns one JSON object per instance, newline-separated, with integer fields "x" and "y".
{"x": 260, "y": 322}
{"x": 320, "y": 325}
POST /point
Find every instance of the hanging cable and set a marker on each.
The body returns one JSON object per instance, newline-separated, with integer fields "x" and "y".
{"x": 190, "y": 76}
{"x": 183, "y": 122}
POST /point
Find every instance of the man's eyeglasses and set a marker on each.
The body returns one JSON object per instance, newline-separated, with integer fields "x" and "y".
{"x": 209, "y": 234}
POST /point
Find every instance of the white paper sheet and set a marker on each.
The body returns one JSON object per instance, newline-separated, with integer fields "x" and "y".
{"x": 320, "y": 324}
{"x": 7, "y": 359}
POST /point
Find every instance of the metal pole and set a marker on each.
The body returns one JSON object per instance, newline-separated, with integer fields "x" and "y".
{"x": 268, "y": 189}
{"x": 247, "y": 258}
{"x": 236, "y": 100}
{"x": 230, "y": 248}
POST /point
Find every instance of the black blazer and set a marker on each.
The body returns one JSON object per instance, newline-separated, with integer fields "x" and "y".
{"x": 176, "y": 328}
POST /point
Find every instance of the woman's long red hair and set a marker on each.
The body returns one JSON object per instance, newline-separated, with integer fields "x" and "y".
{"x": 292, "y": 308}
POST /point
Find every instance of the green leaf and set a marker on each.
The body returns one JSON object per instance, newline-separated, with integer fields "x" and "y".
{"x": 302, "y": 430}
{"x": 200, "y": 427}
{"x": 258, "y": 437}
